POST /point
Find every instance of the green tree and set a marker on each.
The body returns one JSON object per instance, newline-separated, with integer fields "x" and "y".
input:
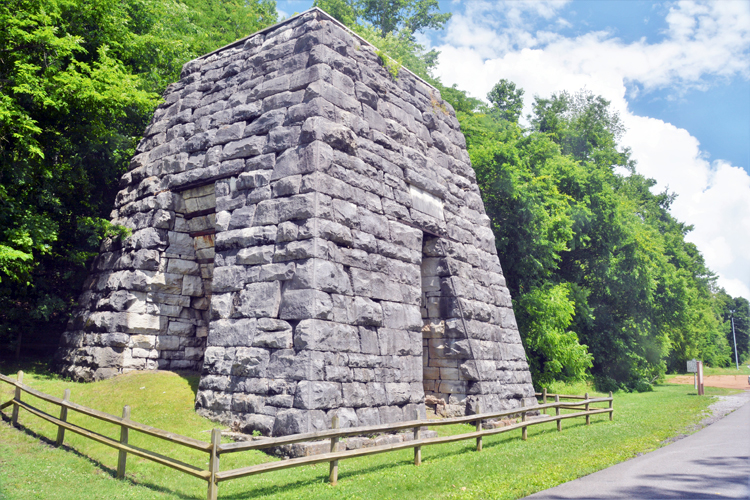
{"x": 406, "y": 16}
{"x": 507, "y": 100}
{"x": 345, "y": 11}
{"x": 78, "y": 83}
{"x": 390, "y": 26}
{"x": 599, "y": 271}
{"x": 729, "y": 307}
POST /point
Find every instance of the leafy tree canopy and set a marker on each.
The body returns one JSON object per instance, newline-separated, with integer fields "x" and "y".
{"x": 602, "y": 278}
{"x": 507, "y": 100}
{"x": 78, "y": 83}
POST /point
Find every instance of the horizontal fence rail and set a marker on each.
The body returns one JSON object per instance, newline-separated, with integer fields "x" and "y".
{"x": 213, "y": 476}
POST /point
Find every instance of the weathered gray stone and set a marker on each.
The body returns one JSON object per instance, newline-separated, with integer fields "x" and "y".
{"x": 252, "y": 146}
{"x": 322, "y": 275}
{"x": 255, "y": 255}
{"x": 309, "y": 233}
{"x": 260, "y": 300}
{"x": 304, "y": 304}
{"x": 319, "y": 335}
{"x": 274, "y": 339}
{"x": 232, "y": 332}
{"x": 250, "y": 362}
{"x": 315, "y": 395}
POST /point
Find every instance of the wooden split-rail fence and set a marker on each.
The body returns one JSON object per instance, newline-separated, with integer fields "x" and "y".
{"x": 215, "y": 449}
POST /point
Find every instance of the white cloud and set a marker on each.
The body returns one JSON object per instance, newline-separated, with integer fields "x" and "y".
{"x": 491, "y": 41}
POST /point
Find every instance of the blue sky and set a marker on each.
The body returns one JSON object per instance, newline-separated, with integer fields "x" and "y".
{"x": 678, "y": 73}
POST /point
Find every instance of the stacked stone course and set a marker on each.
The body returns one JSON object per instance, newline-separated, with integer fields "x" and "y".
{"x": 309, "y": 233}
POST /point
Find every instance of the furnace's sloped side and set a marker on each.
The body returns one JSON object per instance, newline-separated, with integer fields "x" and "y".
{"x": 309, "y": 233}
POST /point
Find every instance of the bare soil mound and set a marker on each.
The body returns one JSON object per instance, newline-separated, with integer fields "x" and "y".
{"x": 726, "y": 381}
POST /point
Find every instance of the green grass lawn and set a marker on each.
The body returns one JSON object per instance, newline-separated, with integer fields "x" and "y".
{"x": 507, "y": 468}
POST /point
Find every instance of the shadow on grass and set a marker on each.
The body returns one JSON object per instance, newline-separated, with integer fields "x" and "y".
{"x": 192, "y": 378}
{"x": 462, "y": 448}
{"x": 40, "y": 367}
{"x": 112, "y": 472}
{"x": 353, "y": 473}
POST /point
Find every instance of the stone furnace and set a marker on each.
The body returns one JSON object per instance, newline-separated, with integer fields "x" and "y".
{"x": 309, "y": 234}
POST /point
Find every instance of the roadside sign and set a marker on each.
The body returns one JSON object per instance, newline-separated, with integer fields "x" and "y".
{"x": 692, "y": 366}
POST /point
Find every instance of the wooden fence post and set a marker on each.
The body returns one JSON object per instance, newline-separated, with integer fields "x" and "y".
{"x": 64, "y": 418}
{"x": 479, "y": 427}
{"x": 17, "y": 397}
{"x": 417, "y": 449}
{"x": 524, "y": 432}
{"x": 611, "y": 404}
{"x": 122, "y": 457}
{"x": 588, "y": 417}
{"x": 213, "y": 464}
{"x": 557, "y": 412}
{"x": 333, "y": 468}
{"x": 544, "y": 399}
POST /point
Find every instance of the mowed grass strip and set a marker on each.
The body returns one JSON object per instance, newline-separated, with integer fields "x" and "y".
{"x": 31, "y": 467}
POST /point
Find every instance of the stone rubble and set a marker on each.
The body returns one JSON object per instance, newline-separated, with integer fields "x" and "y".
{"x": 309, "y": 233}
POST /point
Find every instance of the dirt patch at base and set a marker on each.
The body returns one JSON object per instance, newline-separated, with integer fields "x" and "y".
{"x": 725, "y": 381}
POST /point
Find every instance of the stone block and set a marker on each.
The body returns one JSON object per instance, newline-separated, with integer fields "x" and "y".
{"x": 307, "y": 365}
{"x": 142, "y": 323}
{"x": 397, "y": 393}
{"x": 367, "y": 312}
{"x": 319, "y": 335}
{"x": 242, "y": 217}
{"x": 368, "y": 339}
{"x": 228, "y": 279}
{"x": 322, "y": 275}
{"x": 192, "y": 286}
{"x": 232, "y": 332}
{"x": 335, "y": 135}
{"x": 355, "y": 394}
{"x": 401, "y": 316}
{"x": 390, "y": 414}
{"x": 167, "y": 343}
{"x": 251, "y": 146}
{"x": 247, "y": 403}
{"x": 247, "y": 237}
{"x": 368, "y": 416}
{"x": 303, "y": 304}
{"x": 282, "y": 271}
{"x": 292, "y": 421}
{"x": 144, "y": 353}
{"x": 317, "y": 394}
{"x": 255, "y": 255}
{"x": 143, "y": 341}
{"x": 250, "y": 362}
{"x": 222, "y": 305}
{"x": 259, "y": 300}
{"x": 264, "y": 424}
{"x": 181, "y": 329}
{"x": 274, "y": 339}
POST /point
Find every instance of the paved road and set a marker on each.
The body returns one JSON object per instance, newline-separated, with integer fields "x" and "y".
{"x": 712, "y": 463}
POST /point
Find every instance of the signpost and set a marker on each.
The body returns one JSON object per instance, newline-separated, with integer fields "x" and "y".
{"x": 696, "y": 368}
{"x": 692, "y": 367}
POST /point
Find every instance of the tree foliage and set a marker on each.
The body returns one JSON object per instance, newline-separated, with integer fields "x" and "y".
{"x": 601, "y": 275}
{"x": 390, "y": 25}
{"x": 603, "y": 282}
{"x": 78, "y": 83}
{"x": 506, "y": 100}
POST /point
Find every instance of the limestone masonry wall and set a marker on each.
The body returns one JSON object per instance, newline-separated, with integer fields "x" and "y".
{"x": 309, "y": 234}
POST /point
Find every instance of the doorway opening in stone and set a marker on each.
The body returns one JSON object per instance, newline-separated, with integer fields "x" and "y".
{"x": 444, "y": 388}
{"x": 190, "y": 255}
